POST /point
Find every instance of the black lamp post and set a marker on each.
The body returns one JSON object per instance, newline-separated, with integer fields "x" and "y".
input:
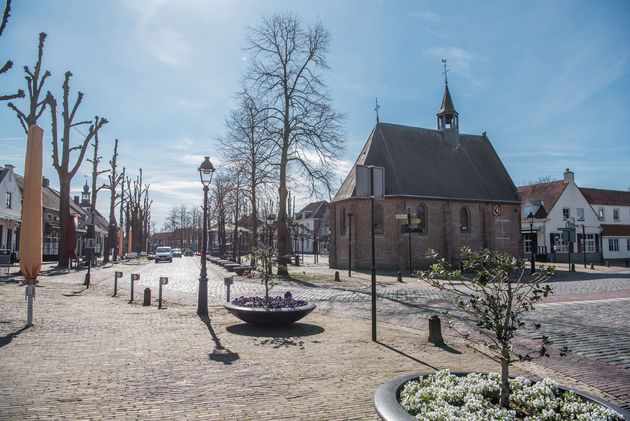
{"x": 530, "y": 218}
{"x": 206, "y": 170}
{"x": 270, "y": 238}
{"x": 302, "y": 238}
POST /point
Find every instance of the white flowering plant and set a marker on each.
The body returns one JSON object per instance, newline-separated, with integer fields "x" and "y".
{"x": 444, "y": 396}
{"x": 493, "y": 289}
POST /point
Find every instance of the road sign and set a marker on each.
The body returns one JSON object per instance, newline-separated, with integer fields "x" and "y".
{"x": 89, "y": 243}
{"x": 163, "y": 280}
{"x": 135, "y": 276}
{"x": 402, "y": 216}
{"x": 118, "y": 274}
{"x": 416, "y": 220}
{"x": 228, "y": 281}
{"x": 364, "y": 175}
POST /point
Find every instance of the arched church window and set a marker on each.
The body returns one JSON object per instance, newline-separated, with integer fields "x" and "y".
{"x": 343, "y": 221}
{"x": 464, "y": 219}
{"x": 378, "y": 218}
{"x": 421, "y": 216}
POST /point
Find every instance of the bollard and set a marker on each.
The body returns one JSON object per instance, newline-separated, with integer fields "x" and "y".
{"x": 399, "y": 277}
{"x": 134, "y": 277}
{"x": 163, "y": 281}
{"x": 607, "y": 263}
{"x": 147, "y": 297}
{"x": 572, "y": 267}
{"x": 116, "y": 276}
{"x": 337, "y": 279}
{"x": 228, "y": 281}
{"x": 435, "y": 331}
{"x": 592, "y": 266}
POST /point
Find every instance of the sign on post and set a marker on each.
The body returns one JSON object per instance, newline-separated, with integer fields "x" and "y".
{"x": 401, "y": 216}
{"x": 163, "y": 281}
{"x": 363, "y": 175}
{"x": 134, "y": 277}
{"x": 228, "y": 281}
{"x": 117, "y": 275}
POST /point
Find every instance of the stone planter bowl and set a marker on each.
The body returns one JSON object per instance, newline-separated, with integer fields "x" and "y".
{"x": 389, "y": 409}
{"x": 260, "y": 316}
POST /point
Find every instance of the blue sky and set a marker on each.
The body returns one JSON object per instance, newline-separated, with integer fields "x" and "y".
{"x": 549, "y": 81}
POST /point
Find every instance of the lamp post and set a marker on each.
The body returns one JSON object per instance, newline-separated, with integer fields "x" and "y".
{"x": 302, "y": 238}
{"x": 206, "y": 170}
{"x": 349, "y": 244}
{"x": 530, "y": 218}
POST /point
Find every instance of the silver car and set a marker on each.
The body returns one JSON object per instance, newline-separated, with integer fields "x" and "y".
{"x": 163, "y": 253}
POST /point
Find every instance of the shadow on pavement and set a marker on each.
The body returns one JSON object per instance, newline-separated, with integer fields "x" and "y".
{"x": 278, "y": 337}
{"x": 449, "y": 349}
{"x": 6, "y": 340}
{"x": 75, "y": 293}
{"x": 391, "y": 348}
{"x": 220, "y": 353}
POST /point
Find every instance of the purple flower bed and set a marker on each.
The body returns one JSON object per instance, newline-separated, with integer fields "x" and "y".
{"x": 272, "y": 302}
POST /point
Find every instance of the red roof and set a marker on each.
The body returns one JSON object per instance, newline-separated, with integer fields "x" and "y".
{"x": 606, "y": 197}
{"x": 610, "y": 230}
{"x": 548, "y": 193}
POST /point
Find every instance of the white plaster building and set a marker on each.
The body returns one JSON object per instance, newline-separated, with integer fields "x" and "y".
{"x": 10, "y": 210}
{"x": 312, "y": 224}
{"x": 601, "y": 219}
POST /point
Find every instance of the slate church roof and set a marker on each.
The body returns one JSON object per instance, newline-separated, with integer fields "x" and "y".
{"x": 420, "y": 163}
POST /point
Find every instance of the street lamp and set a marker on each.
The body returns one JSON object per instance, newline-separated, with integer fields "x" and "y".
{"x": 270, "y": 235}
{"x": 530, "y": 218}
{"x": 206, "y": 170}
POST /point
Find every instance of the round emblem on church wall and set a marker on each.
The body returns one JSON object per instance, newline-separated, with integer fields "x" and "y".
{"x": 496, "y": 210}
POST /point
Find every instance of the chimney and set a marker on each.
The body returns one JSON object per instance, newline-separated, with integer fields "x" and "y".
{"x": 569, "y": 177}
{"x": 9, "y": 166}
{"x": 75, "y": 199}
{"x": 45, "y": 182}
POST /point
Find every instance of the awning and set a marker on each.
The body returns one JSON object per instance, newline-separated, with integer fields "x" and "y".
{"x": 613, "y": 230}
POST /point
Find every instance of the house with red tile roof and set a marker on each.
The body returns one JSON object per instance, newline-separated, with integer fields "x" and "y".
{"x": 599, "y": 220}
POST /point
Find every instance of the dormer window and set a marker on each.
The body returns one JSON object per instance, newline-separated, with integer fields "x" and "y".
{"x": 600, "y": 213}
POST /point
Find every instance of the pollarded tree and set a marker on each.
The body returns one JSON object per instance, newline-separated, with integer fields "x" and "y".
{"x": 114, "y": 179}
{"x": 496, "y": 295}
{"x": 9, "y": 64}
{"x": 284, "y": 77}
{"x": 62, "y": 150}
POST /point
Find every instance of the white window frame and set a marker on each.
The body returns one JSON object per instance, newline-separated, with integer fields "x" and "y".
{"x": 580, "y": 214}
{"x": 566, "y": 213}
{"x": 613, "y": 244}
{"x": 601, "y": 213}
{"x": 528, "y": 245}
{"x": 590, "y": 243}
{"x": 559, "y": 246}
{"x": 616, "y": 214}
{"x": 8, "y": 199}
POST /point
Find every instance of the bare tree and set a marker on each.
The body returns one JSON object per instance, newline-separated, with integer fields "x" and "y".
{"x": 219, "y": 210}
{"x": 95, "y": 160}
{"x": 284, "y": 74}
{"x": 139, "y": 209}
{"x": 114, "y": 180}
{"x": 35, "y": 83}
{"x": 62, "y": 149}
{"x": 249, "y": 146}
{"x": 9, "y": 64}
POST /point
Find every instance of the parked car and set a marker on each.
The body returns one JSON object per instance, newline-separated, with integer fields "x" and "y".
{"x": 177, "y": 252}
{"x": 188, "y": 252}
{"x": 163, "y": 253}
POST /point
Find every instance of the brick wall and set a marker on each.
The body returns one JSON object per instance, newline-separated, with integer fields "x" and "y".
{"x": 443, "y": 232}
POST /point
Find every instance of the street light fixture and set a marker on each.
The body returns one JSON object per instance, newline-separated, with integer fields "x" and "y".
{"x": 206, "y": 170}
{"x": 530, "y": 218}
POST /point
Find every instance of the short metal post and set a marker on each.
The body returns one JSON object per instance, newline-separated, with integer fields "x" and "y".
{"x": 163, "y": 281}
{"x": 435, "y": 331}
{"x": 134, "y": 277}
{"x": 228, "y": 282}
{"x": 116, "y": 276}
{"x": 30, "y": 296}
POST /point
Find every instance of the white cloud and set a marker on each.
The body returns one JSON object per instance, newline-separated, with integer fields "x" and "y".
{"x": 425, "y": 15}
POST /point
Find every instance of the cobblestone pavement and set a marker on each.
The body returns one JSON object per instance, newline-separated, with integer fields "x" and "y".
{"x": 588, "y": 312}
{"x": 92, "y": 356}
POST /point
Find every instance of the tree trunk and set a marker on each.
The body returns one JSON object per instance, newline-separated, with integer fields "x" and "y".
{"x": 283, "y": 235}
{"x": 505, "y": 373}
{"x": 64, "y": 212}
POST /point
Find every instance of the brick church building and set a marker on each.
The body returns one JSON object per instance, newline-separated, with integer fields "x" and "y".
{"x": 454, "y": 186}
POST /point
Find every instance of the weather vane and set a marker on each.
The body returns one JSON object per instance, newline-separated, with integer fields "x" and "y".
{"x": 445, "y": 71}
{"x": 376, "y": 109}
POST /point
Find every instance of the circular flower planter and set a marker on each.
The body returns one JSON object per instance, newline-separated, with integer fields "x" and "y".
{"x": 262, "y": 316}
{"x": 386, "y": 398}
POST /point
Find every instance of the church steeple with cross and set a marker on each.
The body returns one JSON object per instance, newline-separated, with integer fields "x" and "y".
{"x": 447, "y": 117}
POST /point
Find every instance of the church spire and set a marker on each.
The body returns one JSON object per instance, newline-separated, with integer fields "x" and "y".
{"x": 448, "y": 118}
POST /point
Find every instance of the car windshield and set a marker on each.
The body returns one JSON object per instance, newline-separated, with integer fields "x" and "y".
{"x": 177, "y": 250}
{"x": 163, "y": 250}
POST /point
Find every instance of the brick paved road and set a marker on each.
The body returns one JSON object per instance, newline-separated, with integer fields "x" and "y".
{"x": 588, "y": 315}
